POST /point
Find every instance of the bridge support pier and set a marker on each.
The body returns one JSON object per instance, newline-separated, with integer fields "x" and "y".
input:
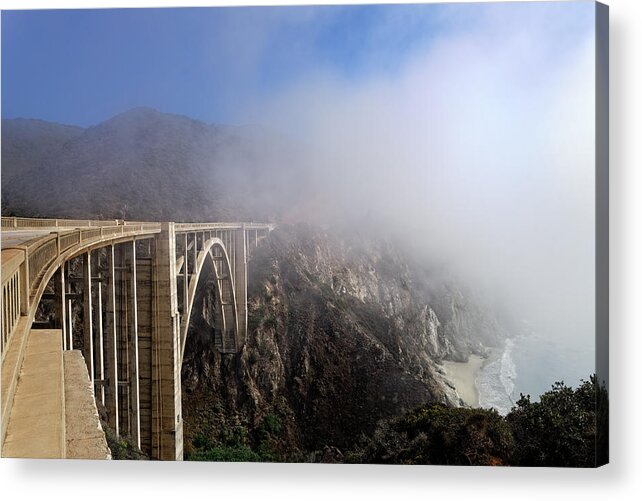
{"x": 240, "y": 281}
{"x": 100, "y": 358}
{"x": 60, "y": 306}
{"x": 144, "y": 316}
{"x": 133, "y": 365}
{"x": 167, "y": 419}
{"x": 88, "y": 316}
{"x": 69, "y": 306}
{"x": 111, "y": 344}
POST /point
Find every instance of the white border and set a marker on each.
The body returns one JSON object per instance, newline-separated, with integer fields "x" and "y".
{"x": 49, "y": 480}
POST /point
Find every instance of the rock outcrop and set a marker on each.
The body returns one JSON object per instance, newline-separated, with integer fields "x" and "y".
{"x": 344, "y": 330}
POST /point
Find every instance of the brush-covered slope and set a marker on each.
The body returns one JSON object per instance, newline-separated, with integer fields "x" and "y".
{"x": 148, "y": 165}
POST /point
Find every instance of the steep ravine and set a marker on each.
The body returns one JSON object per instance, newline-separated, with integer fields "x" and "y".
{"x": 344, "y": 330}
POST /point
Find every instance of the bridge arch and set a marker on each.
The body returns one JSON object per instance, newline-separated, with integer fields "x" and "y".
{"x": 214, "y": 253}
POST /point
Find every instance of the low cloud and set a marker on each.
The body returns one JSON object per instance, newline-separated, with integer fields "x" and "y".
{"x": 477, "y": 150}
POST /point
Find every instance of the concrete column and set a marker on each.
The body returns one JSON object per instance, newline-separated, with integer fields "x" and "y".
{"x": 60, "y": 309}
{"x": 100, "y": 342}
{"x": 185, "y": 275}
{"x": 70, "y": 316}
{"x": 68, "y": 305}
{"x": 122, "y": 338}
{"x": 145, "y": 314}
{"x": 167, "y": 419}
{"x": 133, "y": 350}
{"x": 112, "y": 345}
{"x": 240, "y": 284}
{"x": 88, "y": 312}
{"x": 231, "y": 250}
{"x": 195, "y": 250}
{"x": 70, "y": 325}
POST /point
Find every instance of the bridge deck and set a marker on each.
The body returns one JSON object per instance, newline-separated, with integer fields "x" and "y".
{"x": 36, "y": 428}
{"x": 84, "y": 434}
{"x": 11, "y": 368}
{"x": 19, "y": 237}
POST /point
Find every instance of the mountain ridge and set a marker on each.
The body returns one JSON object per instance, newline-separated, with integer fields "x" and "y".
{"x": 147, "y": 164}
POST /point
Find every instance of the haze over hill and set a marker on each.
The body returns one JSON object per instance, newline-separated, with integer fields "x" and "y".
{"x": 27, "y": 143}
{"x": 148, "y": 165}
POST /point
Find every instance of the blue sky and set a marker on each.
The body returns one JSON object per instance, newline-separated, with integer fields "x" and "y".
{"x": 83, "y": 66}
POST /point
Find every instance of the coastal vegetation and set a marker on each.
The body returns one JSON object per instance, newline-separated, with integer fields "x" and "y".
{"x": 561, "y": 429}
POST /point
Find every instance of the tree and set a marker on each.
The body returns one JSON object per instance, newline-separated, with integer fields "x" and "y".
{"x": 559, "y": 430}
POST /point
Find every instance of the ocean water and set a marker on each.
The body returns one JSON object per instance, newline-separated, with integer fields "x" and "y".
{"x": 530, "y": 363}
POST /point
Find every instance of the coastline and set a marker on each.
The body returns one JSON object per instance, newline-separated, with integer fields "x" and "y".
{"x": 463, "y": 375}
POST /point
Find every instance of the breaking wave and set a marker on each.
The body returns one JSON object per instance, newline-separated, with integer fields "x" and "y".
{"x": 496, "y": 381}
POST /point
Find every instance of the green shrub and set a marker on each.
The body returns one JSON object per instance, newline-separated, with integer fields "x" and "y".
{"x": 271, "y": 425}
{"x": 229, "y": 454}
{"x": 436, "y": 434}
{"x": 560, "y": 429}
{"x": 270, "y": 322}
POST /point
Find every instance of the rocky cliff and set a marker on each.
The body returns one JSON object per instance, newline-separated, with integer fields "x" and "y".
{"x": 344, "y": 330}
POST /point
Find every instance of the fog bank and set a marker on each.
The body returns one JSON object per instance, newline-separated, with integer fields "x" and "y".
{"x": 477, "y": 150}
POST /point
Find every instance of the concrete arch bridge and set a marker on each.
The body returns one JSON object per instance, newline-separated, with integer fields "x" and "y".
{"x": 135, "y": 284}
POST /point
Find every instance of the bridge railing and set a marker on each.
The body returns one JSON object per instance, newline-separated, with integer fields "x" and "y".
{"x": 33, "y": 222}
{"x": 89, "y": 234}
{"x": 222, "y": 226}
{"x": 206, "y": 226}
{"x": 68, "y": 240}
{"x": 24, "y": 266}
{"x": 10, "y": 299}
{"x": 39, "y": 254}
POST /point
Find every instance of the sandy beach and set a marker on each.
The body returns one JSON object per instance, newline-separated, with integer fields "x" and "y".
{"x": 462, "y": 375}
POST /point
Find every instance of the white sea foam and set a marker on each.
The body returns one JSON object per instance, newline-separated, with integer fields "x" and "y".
{"x": 508, "y": 371}
{"x": 496, "y": 381}
{"x": 530, "y": 363}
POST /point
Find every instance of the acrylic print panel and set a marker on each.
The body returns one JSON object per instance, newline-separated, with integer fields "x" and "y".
{"x": 345, "y": 234}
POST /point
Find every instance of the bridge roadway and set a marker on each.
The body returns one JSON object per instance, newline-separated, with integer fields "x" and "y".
{"x": 20, "y": 237}
{"x": 132, "y": 285}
